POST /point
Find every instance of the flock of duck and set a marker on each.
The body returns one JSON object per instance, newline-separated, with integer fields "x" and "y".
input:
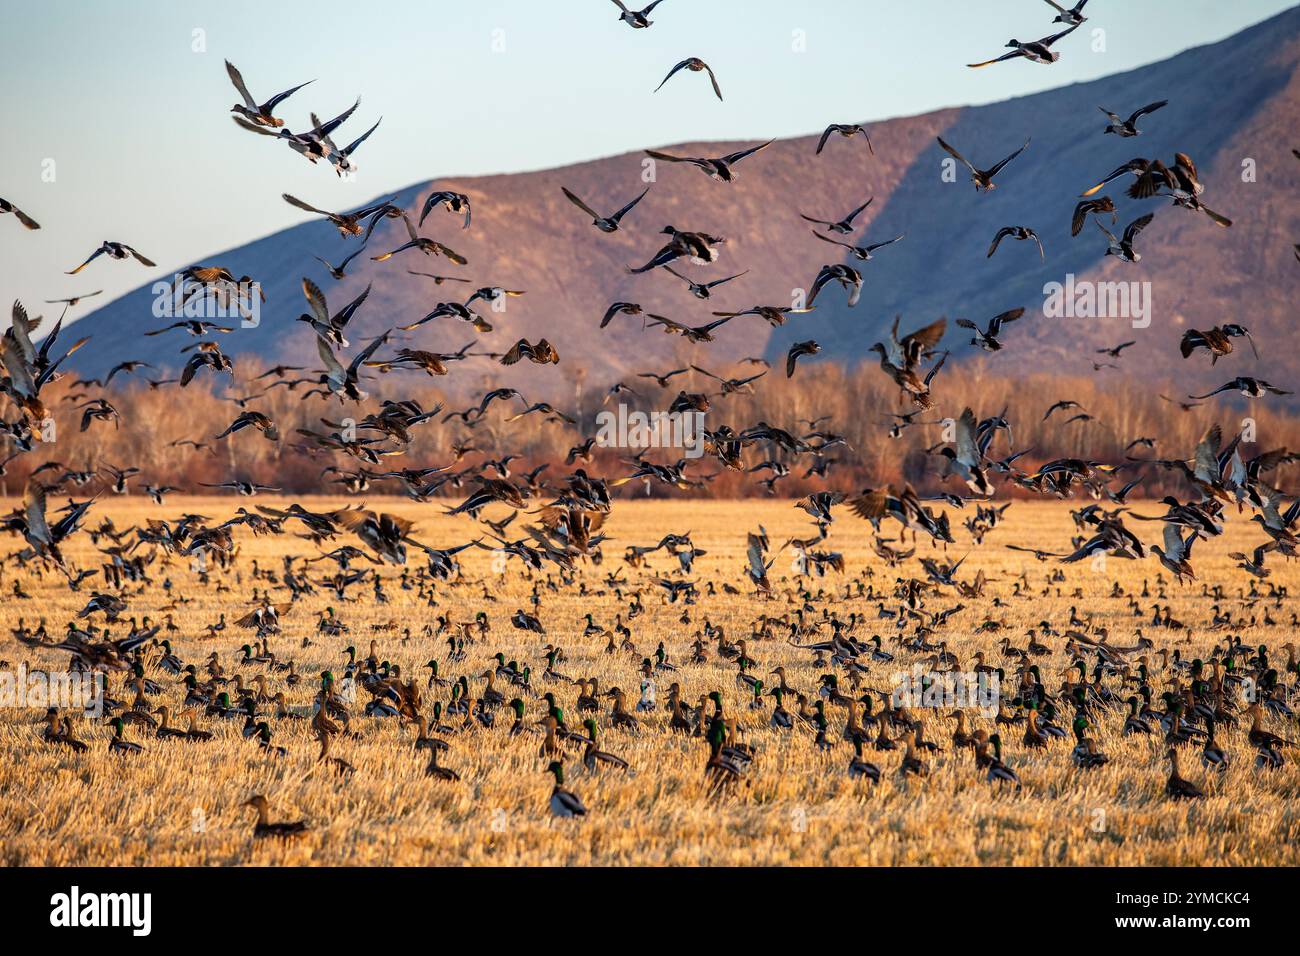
{"x": 1214, "y": 705}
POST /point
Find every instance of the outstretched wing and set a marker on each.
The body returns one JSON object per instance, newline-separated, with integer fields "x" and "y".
{"x": 238, "y": 79}
{"x": 998, "y": 168}
{"x": 580, "y": 204}
{"x": 316, "y": 301}
{"x": 955, "y": 155}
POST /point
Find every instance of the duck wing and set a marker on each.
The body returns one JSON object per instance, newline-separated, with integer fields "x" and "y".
{"x": 237, "y": 78}
{"x": 956, "y": 155}
{"x": 316, "y": 301}
{"x": 998, "y": 168}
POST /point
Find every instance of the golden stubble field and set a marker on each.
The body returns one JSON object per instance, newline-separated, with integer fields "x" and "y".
{"x": 181, "y": 803}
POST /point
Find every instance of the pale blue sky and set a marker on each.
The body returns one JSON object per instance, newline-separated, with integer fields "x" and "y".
{"x": 137, "y": 122}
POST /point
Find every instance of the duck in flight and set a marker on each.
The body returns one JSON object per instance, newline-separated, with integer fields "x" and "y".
{"x": 848, "y": 131}
{"x": 1073, "y": 16}
{"x": 1037, "y": 51}
{"x": 988, "y": 339}
{"x": 451, "y": 201}
{"x": 637, "y": 19}
{"x": 845, "y": 225}
{"x": 1128, "y": 127}
{"x": 1114, "y": 352}
{"x": 604, "y": 223}
{"x": 1122, "y": 249}
{"x": 848, "y": 277}
{"x": 6, "y": 207}
{"x": 114, "y": 250}
{"x": 74, "y": 300}
{"x": 1250, "y": 387}
{"x": 695, "y": 65}
{"x": 703, "y": 290}
{"x": 258, "y": 114}
{"x": 1015, "y": 232}
{"x": 859, "y": 252}
{"x": 348, "y": 224}
{"x": 982, "y": 178}
{"x": 329, "y": 327}
{"x": 1217, "y": 341}
{"x": 719, "y": 169}
{"x": 429, "y": 247}
{"x": 797, "y": 350}
{"x": 1095, "y": 207}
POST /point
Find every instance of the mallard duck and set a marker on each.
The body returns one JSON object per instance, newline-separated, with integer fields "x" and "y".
{"x": 997, "y": 770}
{"x": 982, "y": 178}
{"x": 594, "y": 758}
{"x": 337, "y": 764}
{"x": 846, "y": 130}
{"x": 637, "y": 19}
{"x": 1128, "y": 127}
{"x": 1176, "y": 787}
{"x": 695, "y": 65}
{"x": 1085, "y": 755}
{"x": 911, "y": 763}
{"x": 164, "y": 730}
{"x": 434, "y": 769}
{"x": 1212, "y": 755}
{"x": 563, "y": 803}
{"x": 258, "y": 114}
{"x": 860, "y": 768}
{"x": 1122, "y": 249}
{"x": 1023, "y": 233}
{"x": 265, "y": 828}
{"x": 118, "y": 744}
{"x": 720, "y": 169}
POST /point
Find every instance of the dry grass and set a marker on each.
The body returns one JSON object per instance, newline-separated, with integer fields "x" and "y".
{"x": 181, "y": 803}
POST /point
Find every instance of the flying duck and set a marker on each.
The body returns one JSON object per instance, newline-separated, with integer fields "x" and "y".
{"x": 695, "y": 65}
{"x": 988, "y": 339}
{"x": 1073, "y": 16}
{"x": 636, "y": 19}
{"x": 845, "y": 225}
{"x": 1250, "y": 387}
{"x": 259, "y": 115}
{"x": 451, "y": 201}
{"x": 848, "y": 131}
{"x": 604, "y": 223}
{"x": 1217, "y": 341}
{"x": 1086, "y": 207}
{"x": 848, "y": 277}
{"x": 1122, "y": 249}
{"x": 114, "y": 250}
{"x": 6, "y": 207}
{"x": 1037, "y": 51}
{"x": 1127, "y": 128}
{"x": 703, "y": 290}
{"x": 983, "y": 179}
{"x": 1015, "y": 232}
{"x": 719, "y": 169}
